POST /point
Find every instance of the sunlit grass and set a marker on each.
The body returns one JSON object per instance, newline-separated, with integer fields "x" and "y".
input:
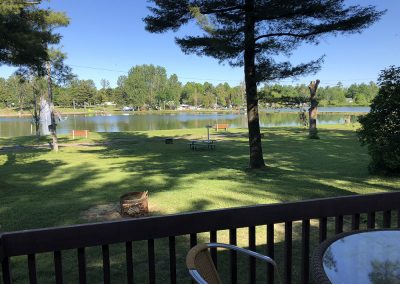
{"x": 39, "y": 188}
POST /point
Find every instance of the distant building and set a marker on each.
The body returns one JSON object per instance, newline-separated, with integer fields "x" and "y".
{"x": 109, "y": 104}
{"x": 184, "y": 107}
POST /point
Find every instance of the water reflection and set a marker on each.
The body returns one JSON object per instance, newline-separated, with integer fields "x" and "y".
{"x": 385, "y": 272}
{"x": 14, "y": 126}
{"x": 366, "y": 257}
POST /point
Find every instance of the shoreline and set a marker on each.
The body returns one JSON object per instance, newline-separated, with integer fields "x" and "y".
{"x": 119, "y": 112}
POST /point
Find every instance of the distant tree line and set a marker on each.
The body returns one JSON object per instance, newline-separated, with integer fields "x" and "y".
{"x": 149, "y": 87}
{"x": 356, "y": 94}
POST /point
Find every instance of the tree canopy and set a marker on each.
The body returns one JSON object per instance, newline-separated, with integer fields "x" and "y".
{"x": 380, "y": 128}
{"x": 252, "y": 33}
{"x": 25, "y": 32}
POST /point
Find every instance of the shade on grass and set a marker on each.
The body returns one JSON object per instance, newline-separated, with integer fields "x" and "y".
{"x": 39, "y": 188}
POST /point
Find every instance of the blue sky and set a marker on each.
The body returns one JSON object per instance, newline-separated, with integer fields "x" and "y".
{"x": 105, "y": 39}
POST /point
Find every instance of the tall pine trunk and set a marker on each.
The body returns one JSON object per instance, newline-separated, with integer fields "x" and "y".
{"x": 36, "y": 114}
{"x": 313, "y": 110}
{"x": 52, "y": 127}
{"x": 256, "y": 154}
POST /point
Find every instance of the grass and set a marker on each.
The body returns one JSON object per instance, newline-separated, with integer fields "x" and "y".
{"x": 42, "y": 189}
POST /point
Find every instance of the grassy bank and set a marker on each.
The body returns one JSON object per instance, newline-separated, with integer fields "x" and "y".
{"x": 41, "y": 189}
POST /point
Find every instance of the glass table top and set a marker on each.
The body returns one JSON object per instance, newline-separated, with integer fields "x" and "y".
{"x": 366, "y": 257}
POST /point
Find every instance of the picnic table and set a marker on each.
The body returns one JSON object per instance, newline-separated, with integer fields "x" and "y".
{"x": 197, "y": 144}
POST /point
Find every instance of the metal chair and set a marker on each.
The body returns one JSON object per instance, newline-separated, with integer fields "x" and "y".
{"x": 201, "y": 266}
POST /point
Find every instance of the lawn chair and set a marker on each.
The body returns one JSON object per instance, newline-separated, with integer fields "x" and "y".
{"x": 201, "y": 266}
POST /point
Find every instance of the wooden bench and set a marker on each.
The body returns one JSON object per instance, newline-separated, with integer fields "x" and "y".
{"x": 196, "y": 144}
{"x": 80, "y": 133}
{"x": 221, "y": 126}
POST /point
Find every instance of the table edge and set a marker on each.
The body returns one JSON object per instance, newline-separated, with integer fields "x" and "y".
{"x": 317, "y": 268}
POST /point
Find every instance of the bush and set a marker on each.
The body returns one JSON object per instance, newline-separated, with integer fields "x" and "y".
{"x": 380, "y": 129}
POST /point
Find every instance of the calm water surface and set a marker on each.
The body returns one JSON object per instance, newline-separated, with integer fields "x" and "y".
{"x": 14, "y": 126}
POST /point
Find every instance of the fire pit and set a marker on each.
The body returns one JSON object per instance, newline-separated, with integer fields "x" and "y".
{"x": 134, "y": 204}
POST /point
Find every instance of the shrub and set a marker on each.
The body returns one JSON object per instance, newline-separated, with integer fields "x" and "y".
{"x": 380, "y": 128}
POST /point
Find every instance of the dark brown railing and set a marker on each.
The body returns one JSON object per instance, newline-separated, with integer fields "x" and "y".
{"x": 376, "y": 209}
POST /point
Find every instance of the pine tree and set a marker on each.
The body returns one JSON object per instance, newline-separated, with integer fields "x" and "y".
{"x": 24, "y": 33}
{"x": 250, "y": 33}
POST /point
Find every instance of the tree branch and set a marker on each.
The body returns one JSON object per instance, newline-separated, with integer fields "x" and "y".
{"x": 215, "y": 11}
{"x": 286, "y": 34}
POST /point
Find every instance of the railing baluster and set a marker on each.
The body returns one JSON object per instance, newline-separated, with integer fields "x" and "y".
{"x": 233, "y": 256}
{"x": 323, "y": 222}
{"x": 387, "y": 218}
{"x": 270, "y": 252}
{"x": 58, "y": 267}
{"x": 398, "y": 218}
{"x": 6, "y": 270}
{"x": 213, "y": 239}
{"x": 106, "y": 264}
{"x": 338, "y": 224}
{"x": 129, "y": 262}
{"x": 172, "y": 260}
{"x": 371, "y": 220}
{"x": 287, "y": 257}
{"x": 355, "y": 222}
{"x": 193, "y": 240}
{"x": 82, "y": 265}
{"x": 32, "y": 269}
{"x": 252, "y": 260}
{"x": 152, "y": 262}
{"x": 305, "y": 251}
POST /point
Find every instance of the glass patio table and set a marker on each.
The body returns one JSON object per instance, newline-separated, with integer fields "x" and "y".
{"x": 371, "y": 256}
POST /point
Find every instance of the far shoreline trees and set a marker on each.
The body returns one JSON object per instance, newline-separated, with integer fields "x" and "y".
{"x": 83, "y": 93}
{"x": 252, "y": 34}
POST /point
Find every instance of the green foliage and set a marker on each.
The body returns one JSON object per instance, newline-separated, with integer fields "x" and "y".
{"x": 360, "y": 94}
{"x": 146, "y": 86}
{"x": 83, "y": 92}
{"x": 192, "y": 93}
{"x": 381, "y": 127}
{"x": 26, "y": 31}
{"x": 280, "y": 27}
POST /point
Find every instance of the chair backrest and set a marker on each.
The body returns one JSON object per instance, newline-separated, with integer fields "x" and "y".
{"x": 199, "y": 261}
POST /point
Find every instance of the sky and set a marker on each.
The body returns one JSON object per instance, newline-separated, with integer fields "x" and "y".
{"x": 106, "y": 38}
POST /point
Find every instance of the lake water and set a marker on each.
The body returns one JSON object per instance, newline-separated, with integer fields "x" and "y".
{"x": 14, "y": 126}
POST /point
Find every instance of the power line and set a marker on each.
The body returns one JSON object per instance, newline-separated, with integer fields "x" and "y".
{"x": 228, "y": 80}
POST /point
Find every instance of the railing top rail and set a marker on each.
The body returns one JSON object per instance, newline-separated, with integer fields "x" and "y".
{"x": 93, "y": 234}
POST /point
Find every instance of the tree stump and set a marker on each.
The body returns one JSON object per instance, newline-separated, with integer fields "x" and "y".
{"x": 134, "y": 204}
{"x": 313, "y": 110}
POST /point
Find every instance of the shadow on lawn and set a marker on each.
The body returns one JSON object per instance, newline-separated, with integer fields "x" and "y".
{"x": 46, "y": 192}
{"x": 298, "y": 168}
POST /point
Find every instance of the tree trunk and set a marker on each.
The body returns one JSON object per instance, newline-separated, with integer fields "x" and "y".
{"x": 36, "y": 114}
{"x": 313, "y": 110}
{"x": 256, "y": 154}
{"x": 21, "y": 103}
{"x": 52, "y": 127}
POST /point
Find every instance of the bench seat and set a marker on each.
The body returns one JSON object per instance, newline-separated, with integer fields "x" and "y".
{"x": 196, "y": 144}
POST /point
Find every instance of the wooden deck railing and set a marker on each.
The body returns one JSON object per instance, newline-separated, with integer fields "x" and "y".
{"x": 376, "y": 207}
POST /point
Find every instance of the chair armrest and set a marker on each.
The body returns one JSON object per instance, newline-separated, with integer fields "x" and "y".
{"x": 196, "y": 276}
{"x": 244, "y": 251}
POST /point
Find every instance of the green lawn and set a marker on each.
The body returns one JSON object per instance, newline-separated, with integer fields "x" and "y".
{"x": 39, "y": 188}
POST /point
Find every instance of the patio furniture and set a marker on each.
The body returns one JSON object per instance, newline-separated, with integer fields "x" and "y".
{"x": 80, "y": 133}
{"x": 201, "y": 266}
{"x": 370, "y": 256}
{"x": 197, "y": 144}
{"x": 221, "y": 126}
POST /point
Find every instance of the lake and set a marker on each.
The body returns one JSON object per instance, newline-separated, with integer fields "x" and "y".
{"x": 133, "y": 121}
